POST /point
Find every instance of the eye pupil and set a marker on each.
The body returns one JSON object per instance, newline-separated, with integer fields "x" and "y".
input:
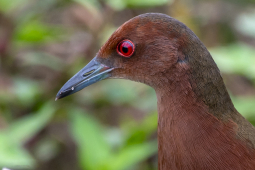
{"x": 125, "y": 48}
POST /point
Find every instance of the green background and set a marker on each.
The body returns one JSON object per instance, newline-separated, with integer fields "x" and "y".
{"x": 112, "y": 124}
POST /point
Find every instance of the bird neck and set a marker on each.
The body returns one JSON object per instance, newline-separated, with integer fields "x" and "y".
{"x": 188, "y": 128}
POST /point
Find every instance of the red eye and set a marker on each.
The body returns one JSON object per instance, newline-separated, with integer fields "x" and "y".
{"x": 126, "y": 48}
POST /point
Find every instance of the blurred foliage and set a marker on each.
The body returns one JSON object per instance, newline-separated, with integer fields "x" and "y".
{"x": 112, "y": 124}
{"x": 12, "y": 153}
{"x": 236, "y": 59}
{"x": 90, "y": 139}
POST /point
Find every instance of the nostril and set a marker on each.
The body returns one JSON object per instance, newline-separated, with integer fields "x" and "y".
{"x": 88, "y": 73}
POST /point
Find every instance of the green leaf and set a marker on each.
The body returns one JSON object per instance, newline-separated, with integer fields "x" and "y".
{"x": 132, "y": 155}
{"x": 92, "y": 147}
{"x": 245, "y": 105}
{"x": 36, "y": 32}
{"x": 13, "y": 155}
{"x": 7, "y": 6}
{"x": 146, "y": 3}
{"x": 139, "y": 132}
{"x": 25, "y": 128}
{"x": 235, "y": 58}
{"x": 117, "y": 4}
{"x": 122, "y": 4}
{"x": 94, "y": 151}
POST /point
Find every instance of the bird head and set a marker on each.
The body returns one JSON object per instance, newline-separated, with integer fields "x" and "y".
{"x": 151, "y": 48}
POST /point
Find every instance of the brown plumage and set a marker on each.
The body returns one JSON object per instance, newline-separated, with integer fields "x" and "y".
{"x": 198, "y": 126}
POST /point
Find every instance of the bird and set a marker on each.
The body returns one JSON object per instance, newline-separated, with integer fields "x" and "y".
{"x": 198, "y": 125}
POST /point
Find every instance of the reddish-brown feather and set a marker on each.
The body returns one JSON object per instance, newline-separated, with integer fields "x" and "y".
{"x": 198, "y": 126}
{"x": 192, "y": 138}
